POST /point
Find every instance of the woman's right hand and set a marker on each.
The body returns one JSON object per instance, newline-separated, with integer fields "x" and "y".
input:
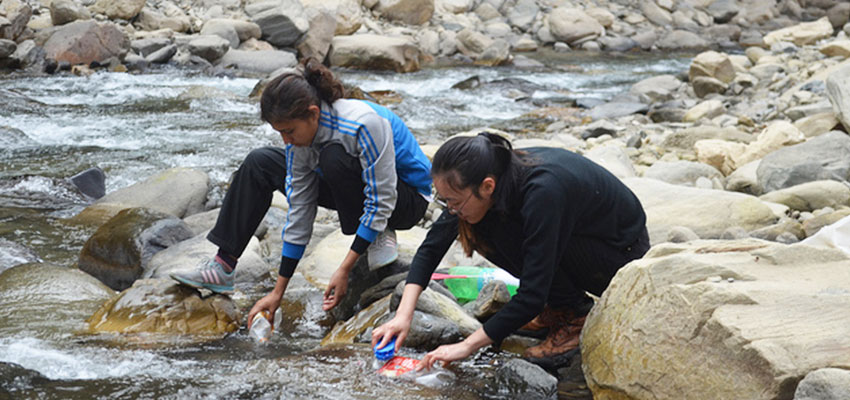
{"x": 269, "y": 303}
{"x": 398, "y": 327}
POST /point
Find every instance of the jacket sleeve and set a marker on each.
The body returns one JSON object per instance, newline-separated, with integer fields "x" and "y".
{"x": 543, "y": 213}
{"x": 302, "y": 191}
{"x": 440, "y": 237}
{"x": 377, "y": 158}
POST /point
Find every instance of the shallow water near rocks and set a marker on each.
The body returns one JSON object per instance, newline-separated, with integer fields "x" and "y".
{"x": 136, "y": 125}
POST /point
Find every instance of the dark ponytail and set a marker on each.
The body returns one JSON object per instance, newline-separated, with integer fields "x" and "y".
{"x": 463, "y": 162}
{"x": 289, "y": 95}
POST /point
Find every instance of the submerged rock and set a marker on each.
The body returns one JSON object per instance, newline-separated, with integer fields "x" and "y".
{"x": 163, "y": 306}
{"x": 46, "y": 299}
{"x": 526, "y": 380}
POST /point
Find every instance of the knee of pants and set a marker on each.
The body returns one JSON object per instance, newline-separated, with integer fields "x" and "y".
{"x": 258, "y": 157}
{"x": 335, "y": 162}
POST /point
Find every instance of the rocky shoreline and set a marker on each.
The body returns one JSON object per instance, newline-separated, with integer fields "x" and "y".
{"x": 735, "y": 163}
{"x": 257, "y": 37}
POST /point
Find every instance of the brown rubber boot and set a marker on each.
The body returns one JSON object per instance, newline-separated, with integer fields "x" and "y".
{"x": 541, "y": 321}
{"x": 534, "y": 325}
{"x": 561, "y": 343}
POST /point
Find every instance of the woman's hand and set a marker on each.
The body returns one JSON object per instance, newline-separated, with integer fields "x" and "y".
{"x": 452, "y": 352}
{"x": 398, "y": 327}
{"x": 446, "y": 353}
{"x": 337, "y": 287}
{"x": 269, "y": 302}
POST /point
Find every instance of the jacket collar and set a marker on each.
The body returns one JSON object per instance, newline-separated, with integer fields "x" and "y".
{"x": 324, "y": 133}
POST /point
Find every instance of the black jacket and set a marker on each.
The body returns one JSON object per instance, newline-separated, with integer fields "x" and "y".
{"x": 562, "y": 195}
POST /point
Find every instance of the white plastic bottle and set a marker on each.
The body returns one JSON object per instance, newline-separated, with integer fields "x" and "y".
{"x": 435, "y": 378}
{"x": 261, "y": 328}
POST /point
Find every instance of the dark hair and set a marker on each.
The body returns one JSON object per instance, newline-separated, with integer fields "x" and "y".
{"x": 289, "y": 95}
{"x": 465, "y": 161}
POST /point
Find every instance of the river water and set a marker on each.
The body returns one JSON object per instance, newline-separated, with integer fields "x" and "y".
{"x": 135, "y": 125}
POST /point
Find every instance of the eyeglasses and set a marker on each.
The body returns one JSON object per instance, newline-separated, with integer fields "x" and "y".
{"x": 452, "y": 210}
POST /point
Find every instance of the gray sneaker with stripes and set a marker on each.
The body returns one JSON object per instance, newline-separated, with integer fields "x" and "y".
{"x": 209, "y": 274}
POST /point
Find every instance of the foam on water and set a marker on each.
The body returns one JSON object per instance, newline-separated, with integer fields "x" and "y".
{"x": 83, "y": 363}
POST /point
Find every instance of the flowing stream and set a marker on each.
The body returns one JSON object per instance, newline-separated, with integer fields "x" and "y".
{"x": 135, "y": 125}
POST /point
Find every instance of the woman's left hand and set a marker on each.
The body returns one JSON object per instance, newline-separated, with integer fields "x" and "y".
{"x": 446, "y": 353}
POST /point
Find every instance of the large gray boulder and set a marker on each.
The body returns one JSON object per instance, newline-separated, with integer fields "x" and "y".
{"x": 838, "y": 91}
{"x": 157, "y": 193}
{"x": 82, "y": 42}
{"x": 317, "y": 41}
{"x": 826, "y": 156}
{"x": 282, "y": 22}
{"x": 119, "y": 251}
{"x": 718, "y": 320}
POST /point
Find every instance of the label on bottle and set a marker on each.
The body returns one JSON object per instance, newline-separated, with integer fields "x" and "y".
{"x": 398, "y": 366}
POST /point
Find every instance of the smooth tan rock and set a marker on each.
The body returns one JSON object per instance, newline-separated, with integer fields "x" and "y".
{"x": 368, "y": 51}
{"x": 413, "y": 12}
{"x": 811, "y": 196}
{"x": 322, "y": 262}
{"x": 817, "y": 124}
{"x": 120, "y": 9}
{"x": 718, "y": 320}
{"x": 719, "y": 154}
{"x": 707, "y": 212}
{"x": 712, "y": 64}
{"x": 163, "y": 306}
{"x": 836, "y": 48}
{"x": 571, "y": 25}
{"x": 706, "y": 110}
{"x": 801, "y": 34}
{"x": 775, "y": 136}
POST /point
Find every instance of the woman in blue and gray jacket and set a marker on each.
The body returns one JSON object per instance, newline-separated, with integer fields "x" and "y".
{"x": 349, "y": 155}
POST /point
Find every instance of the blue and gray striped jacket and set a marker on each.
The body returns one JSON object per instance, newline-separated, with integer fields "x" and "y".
{"x": 387, "y": 151}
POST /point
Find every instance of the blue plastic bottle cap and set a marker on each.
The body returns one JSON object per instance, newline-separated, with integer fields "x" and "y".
{"x": 386, "y": 352}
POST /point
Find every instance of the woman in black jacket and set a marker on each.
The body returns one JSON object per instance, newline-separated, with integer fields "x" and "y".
{"x": 560, "y": 223}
